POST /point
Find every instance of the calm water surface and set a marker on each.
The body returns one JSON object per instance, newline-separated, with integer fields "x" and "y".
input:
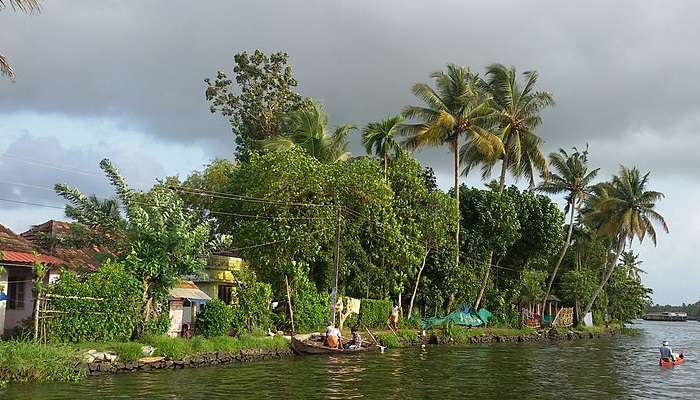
{"x": 613, "y": 368}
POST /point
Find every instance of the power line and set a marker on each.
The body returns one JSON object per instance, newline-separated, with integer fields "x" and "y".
{"x": 31, "y": 203}
{"x": 281, "y": 240}
{"x": 231, "y": 196}
{"x": 42, "y": 164}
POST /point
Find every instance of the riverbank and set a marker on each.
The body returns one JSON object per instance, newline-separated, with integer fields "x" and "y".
{"x": 32, "y": 362}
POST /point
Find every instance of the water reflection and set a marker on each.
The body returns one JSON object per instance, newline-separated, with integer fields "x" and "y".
{"x": 616, "y": 368}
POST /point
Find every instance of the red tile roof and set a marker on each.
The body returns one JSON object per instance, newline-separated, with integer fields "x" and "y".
{"x": 89, "y": 257}
{"x": 16, "y": 249}
{"x": 26, "y": 258}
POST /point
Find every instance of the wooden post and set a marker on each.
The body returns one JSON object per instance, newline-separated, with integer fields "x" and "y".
{"x": 289, "y": 303}
{"x": 37, "y": 304}
{"x": 336, "y": 265}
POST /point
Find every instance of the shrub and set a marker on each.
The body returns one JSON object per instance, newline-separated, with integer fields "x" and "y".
{"x": 113, "y": 318}
{"x": 251, "y": 304}
{"x": 388, "y": 339}
{"x": 34, "y": 362}
{"x": 311, "y": 307}
{"x": 215, "y": 319}
{"x": 374, "y": 313}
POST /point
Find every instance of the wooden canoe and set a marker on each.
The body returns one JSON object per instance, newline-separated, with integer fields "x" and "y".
{"x": 312, "y": 343}
{"x": 668, "y": 363}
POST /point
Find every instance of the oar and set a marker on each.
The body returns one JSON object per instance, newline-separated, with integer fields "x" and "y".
{"x": 392, "y": 330}
{"x": 381, "y": 348}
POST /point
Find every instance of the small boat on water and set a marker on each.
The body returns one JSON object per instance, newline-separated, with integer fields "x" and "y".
{"x": 668, "y": 363}
{"x": 312, "y": 343}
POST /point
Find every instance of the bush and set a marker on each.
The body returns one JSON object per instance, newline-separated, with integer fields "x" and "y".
{"x": 311, "y": 307}
{"x": 374, "y": 313}
{"x": 34, "y": 362}
{"x": 251, "y": 305}
{"x": 388, "y": 339}
{"x": 214, "y": 319}
{"x": 114, "y": 318}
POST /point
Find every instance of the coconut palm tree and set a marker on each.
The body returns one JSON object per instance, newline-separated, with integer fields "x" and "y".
{"x": 623, "y": 209}
{"x": 308, "y": 129}
{"x": 380, "y": 138}
{"x": 28, "y": 6}
{"x": 572, "y": 177}
{"x": 517, "y": 108}
{"x": 630, "y": 261}
{"x": 456, "y": 107}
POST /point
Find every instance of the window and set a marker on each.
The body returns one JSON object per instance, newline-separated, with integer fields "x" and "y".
{"x": 15, "y": 291}
{"x": 225, "y": 293}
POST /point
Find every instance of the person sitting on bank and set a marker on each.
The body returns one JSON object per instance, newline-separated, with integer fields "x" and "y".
{"x": 333, "y": 337}
{"x": 666, "y": 352}
{"x": 356, "y": 341}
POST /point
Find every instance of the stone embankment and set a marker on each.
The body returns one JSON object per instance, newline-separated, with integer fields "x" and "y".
{"x": 108, "y": 366}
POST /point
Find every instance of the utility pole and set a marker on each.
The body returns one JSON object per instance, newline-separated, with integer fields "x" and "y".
{"x": 336, "y": 265}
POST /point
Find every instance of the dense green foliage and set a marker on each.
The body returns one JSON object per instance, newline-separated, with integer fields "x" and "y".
{"x": 111, "y": 318}
{"x": 266, "y": 97}
{"x": 251, "y": 304}
{"x": 158, "y": 241}
{"x": 374, "y": 313}
{"x": 214, "y": 319}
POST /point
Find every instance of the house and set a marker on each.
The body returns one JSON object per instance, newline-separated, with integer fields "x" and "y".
{"x": 49, "y": 235}
{"x": 17, "y": 257}
{"x": 184, "y": 299}
{"x": 219, "y": 279}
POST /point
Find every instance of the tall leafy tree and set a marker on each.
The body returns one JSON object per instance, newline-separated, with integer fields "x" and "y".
{"x": 308, "y": 129}
{"x": 569, "y": 174}
{"x": 517, "y": 107}
{"x": 380, "y": 138}
{"x": 259, "y": 109}
{"x": 158, "y": 243}
{"x": 28, "y": 6}
{"x": 624, "y": 209}
{"x": 454, "y": 108}
{"x": 630, "y": 262}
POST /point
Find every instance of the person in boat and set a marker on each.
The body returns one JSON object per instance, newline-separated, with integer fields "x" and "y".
{"x": 666, "y": 352}
{"x": 333, "y": 337}
{"x": 394, "y": 317}
{"x": 356, "y": 341}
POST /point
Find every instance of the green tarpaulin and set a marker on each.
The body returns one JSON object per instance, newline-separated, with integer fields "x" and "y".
{"x": 459, "y": 317}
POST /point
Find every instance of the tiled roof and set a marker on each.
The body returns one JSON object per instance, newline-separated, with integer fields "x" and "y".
{"x": 89, "y": 257}
{"x": 17, "y": 249}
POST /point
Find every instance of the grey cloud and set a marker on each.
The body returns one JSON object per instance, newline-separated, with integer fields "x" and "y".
{"x": 31, "y": 179}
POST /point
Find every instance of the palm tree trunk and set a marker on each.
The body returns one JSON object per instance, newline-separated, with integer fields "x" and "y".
{"x": 572, "y": 204}
{"x": 606, "y": 277}
{"x": 457, "y": 173}
{"x": 415, "y": 288}
{"x": 484, "y": 283}
{"x": 504, "y": 169}
{"x": 386, "y": 169}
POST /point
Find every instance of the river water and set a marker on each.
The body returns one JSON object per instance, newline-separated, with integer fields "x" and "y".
{"x": 621, "y": 367}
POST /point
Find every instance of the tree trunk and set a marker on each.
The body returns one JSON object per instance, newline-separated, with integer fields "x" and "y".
{"x": 484, "y": 283}
{"x": 415, "y": 288}
{"x": 504, "y": 169}
{"x": 606, "y": 277}
{"x": 457, "y": 173}
{"x": 563, "y": 252}
{"x": 386, "y": 168}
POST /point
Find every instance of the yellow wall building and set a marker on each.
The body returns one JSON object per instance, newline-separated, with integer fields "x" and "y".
{"x": 220, "y": 279}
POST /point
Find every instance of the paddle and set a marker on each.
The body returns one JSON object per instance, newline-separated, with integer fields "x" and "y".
{"x": 381, "y": 348}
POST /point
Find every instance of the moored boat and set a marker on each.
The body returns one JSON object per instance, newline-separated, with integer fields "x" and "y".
{"x": 668, "y": 363}
{"x": 312, "y": 343}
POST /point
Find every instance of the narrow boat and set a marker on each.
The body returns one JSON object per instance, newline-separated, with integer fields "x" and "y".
{"x": 668, "y": 363}
{"x": 312, "y": 343}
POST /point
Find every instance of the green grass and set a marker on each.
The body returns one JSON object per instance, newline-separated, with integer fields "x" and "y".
{"x": 388, "y": 339}
{"x": 179, "y": 347}
{"x": 26, "y": 361}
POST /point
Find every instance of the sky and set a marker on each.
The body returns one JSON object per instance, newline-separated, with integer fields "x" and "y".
{"x": 125, "y": 80}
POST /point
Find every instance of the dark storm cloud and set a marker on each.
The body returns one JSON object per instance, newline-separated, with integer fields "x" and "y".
{"x": 614, "y": 67}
